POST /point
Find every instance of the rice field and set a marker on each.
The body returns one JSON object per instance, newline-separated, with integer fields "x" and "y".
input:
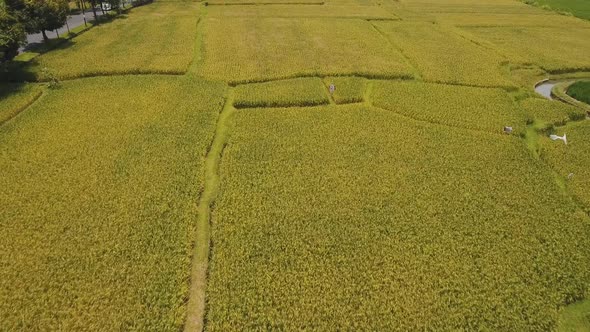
{"x": 279, "y": 48}
{"x": 256, "y": 165}
{"x": 470, "y": 108}
{"x": 551, "y": 112}
{"x": 158, "y": 38}
{"x": 15, "y": 98}
{"x": 331, "y": 216}
{"x": 571, "y": 161}
{"x": 98, "y": 204}
{"x": 294, "y": 92}
{"x": 541, "y": 46}
{"x": 456, "y": 60}
{"x": 331, "y": 10}
{"x": 347, "y": 90}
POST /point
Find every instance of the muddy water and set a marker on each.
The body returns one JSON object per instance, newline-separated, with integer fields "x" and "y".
{"x": 544, "y": 88}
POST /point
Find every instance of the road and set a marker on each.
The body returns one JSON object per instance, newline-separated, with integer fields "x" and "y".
{"x": 73, "y": 21}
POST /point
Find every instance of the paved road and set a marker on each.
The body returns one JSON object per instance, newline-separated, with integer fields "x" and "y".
{"x": 73, "y": 21}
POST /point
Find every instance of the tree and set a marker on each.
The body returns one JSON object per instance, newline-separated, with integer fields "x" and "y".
{"x": 93, "y": 5}
{"x": 12, "y": 33}
{"x": 45, "y": 15}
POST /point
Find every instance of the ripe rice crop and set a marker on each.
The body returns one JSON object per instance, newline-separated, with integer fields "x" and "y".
{"x": 469, "y": 7}
{"x": 244, "y": 50}
{"x": 15, "y": 98}
{"x": 156, "y": 38}
{"x": 545, "y": 19}
{"x": 294, "y": 92}
{"x": 553, "y": 112}
{"x": 354, "y": 218}
{"x": 484, "y": 109}
{"x": 442, "y": 56}
{"x": 264, "y": 2}
{"x": 544, "y": 47}
{"x": 99, "y": 187}
{"x": 330, "y": 10}
{"x": 348, "y": 89}
{"x": 572, "y": 158}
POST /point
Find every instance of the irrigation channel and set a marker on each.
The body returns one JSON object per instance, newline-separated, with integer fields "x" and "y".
{"x": 545, "y": 87}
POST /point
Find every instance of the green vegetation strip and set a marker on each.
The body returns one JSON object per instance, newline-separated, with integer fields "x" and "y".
{"x": 99, "y": 187}
{"x": 197, "y": 300}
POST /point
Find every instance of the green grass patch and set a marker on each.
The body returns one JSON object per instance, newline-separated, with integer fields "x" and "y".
{"x": 349, "y": 89}
{"x": 578, "y": 8}
{"x": 580, "y": 91}
{"x": 575, "y": 318}
{"x": 99, "y": 189}
{"x": 294, "y": 92}
{"x": 354, "y": 218}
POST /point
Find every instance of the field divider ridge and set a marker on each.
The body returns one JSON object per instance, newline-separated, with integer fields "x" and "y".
{"x": 370, "y": 104}
{"x": 416, "y": 72}
{"x": 196, "y": 308}
{"x": 23, "y": 108}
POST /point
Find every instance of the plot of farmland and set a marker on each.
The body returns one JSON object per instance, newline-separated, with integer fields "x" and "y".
{"x": 510, "y": 20}
{"x": 294, "y": 92}
{"x": 572, "y": 159}
{"x": 544, "y": 47}
{"x": 457, "y": 106}
{"x": 152, "y": 39}
{"x": 553, "y": 112}
{"x": 15, "y": 98}
{"x": 442, "y": 56}
{"x": 298, "y": 165}
{"x": 331, "y": 10}
{"x": 245, "y": 50}
{"x": 469, "y": 7}
{"x": 344, "y": 211}
{"x": 98, "y": 204}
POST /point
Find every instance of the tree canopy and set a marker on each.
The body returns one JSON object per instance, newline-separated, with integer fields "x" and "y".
{"x": 12, "y": 33}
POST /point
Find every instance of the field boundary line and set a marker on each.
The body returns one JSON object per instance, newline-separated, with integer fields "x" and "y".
{"x": 197, "y": 55}
{"x": 291, "y": 77}
{"x": 197, "y": 301}
{"x": 417, "y": 73}
{"x": 23, "y": 108}
{"x": 441, "y": 124}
